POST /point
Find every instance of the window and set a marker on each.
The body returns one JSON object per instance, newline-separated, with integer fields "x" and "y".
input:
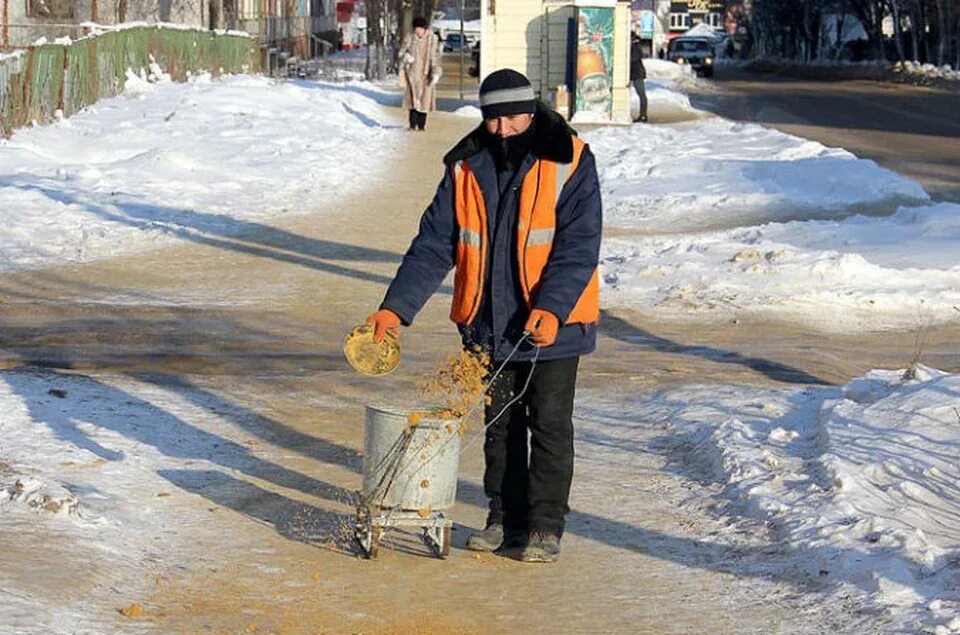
{"x": 679, "y": 21}
{"x": 681, "y": 45}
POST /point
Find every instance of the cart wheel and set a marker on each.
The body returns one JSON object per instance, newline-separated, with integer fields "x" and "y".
{"x": 445, "y": 540}
{"x": 375, "y": 534}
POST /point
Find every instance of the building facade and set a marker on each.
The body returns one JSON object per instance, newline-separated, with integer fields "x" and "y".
{"x": 292, "y": 26}
{"x": 686, "y": 14}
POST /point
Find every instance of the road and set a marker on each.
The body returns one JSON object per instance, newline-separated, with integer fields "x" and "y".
{"x": 912, "y": 130}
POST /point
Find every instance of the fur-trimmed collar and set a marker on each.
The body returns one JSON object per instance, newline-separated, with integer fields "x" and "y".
{"x": 552, "y": 139}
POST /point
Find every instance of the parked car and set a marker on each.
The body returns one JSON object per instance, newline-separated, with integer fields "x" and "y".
{"x": 696, "y": 52}
{"x": 454, "y": 43}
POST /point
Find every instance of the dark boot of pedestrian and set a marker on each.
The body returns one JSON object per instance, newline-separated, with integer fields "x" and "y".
{"x": 513, "y": 543}
{"x": 489, "y": 539}
{"x": 541, "y": 547}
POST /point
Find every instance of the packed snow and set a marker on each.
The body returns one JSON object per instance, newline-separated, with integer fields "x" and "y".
{"x": 137, "y": 171}
{"x": 97, "y": 471}
{"x": 927, "y": 70}
{"x": 718, "y": 221}
{"x": 852, "y": 490}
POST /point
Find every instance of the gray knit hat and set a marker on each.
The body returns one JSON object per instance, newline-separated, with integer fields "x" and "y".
{"x": 506, "y": 92}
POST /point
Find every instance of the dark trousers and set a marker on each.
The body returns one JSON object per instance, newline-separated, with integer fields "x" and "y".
{"x": 529, "y": 450}
{"x": 641, "y": 89}
{"x": 417, "y": 119}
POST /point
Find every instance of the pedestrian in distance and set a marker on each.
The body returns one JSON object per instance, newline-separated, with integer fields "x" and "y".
{"x": 638, "y": 73}
{"x": 419, "y": 72}
{"x": 518, "y": 215}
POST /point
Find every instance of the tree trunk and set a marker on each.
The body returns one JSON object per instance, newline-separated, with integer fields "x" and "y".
{"x": 897, "y": 31}
{"x": 838, "y": 43}
{"x": 916, "y": 27}
{"x": 425, "y": 8}
{"x": 943, "y": 32}
{"x": 376, "y": 67}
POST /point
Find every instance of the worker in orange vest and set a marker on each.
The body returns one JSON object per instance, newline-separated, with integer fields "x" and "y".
{"x": 518, "y": 214}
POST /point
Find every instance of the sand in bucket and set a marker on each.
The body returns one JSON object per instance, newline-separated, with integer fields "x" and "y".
{"x": 431, "y": 449}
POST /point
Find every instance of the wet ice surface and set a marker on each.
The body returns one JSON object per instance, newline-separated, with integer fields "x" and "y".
{"x": 721, "y": 497}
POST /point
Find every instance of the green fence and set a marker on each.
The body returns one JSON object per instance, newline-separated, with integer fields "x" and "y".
{"x": 52, "y": 77}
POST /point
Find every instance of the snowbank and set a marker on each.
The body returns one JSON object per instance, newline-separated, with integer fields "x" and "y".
{"x": 718, "y": 173}
{"x": 843, "y": 276}
{"x": 861, "y": 485}
{"x": 171, "y": 159}
{"x": 662, "y": 69}
{"x": 927, "y": 70}
{"x": 719, "y": 220}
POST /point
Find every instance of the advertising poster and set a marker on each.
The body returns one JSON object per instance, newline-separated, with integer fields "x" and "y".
{"x": 594, "y": 99}
{"x": 646, "y": 24}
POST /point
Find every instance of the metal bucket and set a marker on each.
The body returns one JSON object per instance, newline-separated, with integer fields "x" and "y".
{"x": 427, "y": 475}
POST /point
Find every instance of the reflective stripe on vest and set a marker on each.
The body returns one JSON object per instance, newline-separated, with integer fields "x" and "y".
{"x": 536, "y": 229}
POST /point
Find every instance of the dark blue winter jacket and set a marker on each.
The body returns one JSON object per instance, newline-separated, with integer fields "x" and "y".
{"x": 573, "y": 259}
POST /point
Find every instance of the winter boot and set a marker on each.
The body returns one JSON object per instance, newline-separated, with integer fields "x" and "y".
{"x": 489, "y": 539}
{"x": 541, "y": 547}
{"x": 513, "y": 543}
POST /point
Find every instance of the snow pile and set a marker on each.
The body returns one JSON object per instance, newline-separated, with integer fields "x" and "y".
{"x": 663, "y": 83}
{"x": 663, "y": 69}
{"x": 720, "y": 220}
{"x": 836, "y": 276}
{"x": 719, "y": 173}
{"x": 183, "y": 160}
{"x": 469, "y": 111}
{"x": 931, "y": 71}
{"x": 38, "y": 495}
{"x": 661, "y": 96}
{"x": 861, "y": 486}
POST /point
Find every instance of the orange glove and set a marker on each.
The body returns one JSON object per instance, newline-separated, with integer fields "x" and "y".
{"x": 384, "y": 321}
{"x": 543, "y": 327}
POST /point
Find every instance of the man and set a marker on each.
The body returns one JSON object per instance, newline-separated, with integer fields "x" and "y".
{"x": 638, "y": 73}
{"x": 518, "y": 214}
{"x": 420, "y": 71}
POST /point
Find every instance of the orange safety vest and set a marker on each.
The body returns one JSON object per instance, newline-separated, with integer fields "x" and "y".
{"x": 536, "y": 226}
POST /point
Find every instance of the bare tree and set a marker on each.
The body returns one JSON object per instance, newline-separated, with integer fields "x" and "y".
{"x": 377, "y": 22}
{"x": 896, "y": 13}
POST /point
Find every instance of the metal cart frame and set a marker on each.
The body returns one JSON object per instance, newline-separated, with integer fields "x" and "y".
{"x": 372, "y": 522}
